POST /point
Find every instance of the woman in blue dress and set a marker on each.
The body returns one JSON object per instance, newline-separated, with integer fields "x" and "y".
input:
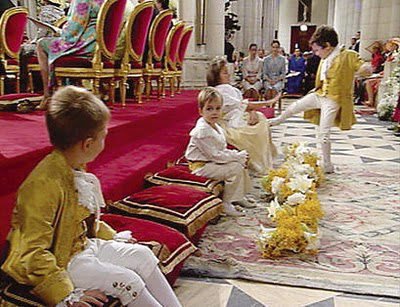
{"x": 296, "y": 64}
{"x": 274, "y": 71}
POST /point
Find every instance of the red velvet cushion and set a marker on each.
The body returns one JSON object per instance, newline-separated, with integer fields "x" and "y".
{"x": 183, "y": 45}
{"x": 112, "y": 23}
{"x": 157, "y": 64}
{"x": 12, "y": 62}
{"x": 183, "y": 208}
{"x": 175, "y": 41}
{"x": 15, "y": 28}
{"x": 80, "y": 62}
{"x": 178, "y": 247}
{"x": 268, "y": 112}
{"x": 181, "y": 175}
{"x": 33, "y": 60}
{"x": 160, "y": 36}
{"x": 140, "y": 30}
{"x": 136, "y": 65}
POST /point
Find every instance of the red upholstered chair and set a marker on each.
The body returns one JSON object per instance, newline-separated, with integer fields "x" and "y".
{"x": 171, "y": 55}
{"x": 137, "y": 31}
{"x": 99, "y": 66}
{"x": 187, "y": 33}
{"x": 158, "y": 34}
{"x": 12, "y": 28}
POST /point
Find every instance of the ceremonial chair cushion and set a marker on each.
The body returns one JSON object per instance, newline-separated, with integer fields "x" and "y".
{"x": 11, "y": 61}
{"x": 78, "y": 62}
{"x": 15, "y": 294}
{"x": 14, "y": 31}
{"x": 141, "y": 29}
{"x": 268, "y": 112}
{"x": 161, "y": 35}
{"x": 181, "y": 175}
{"x": 136, "y": 65}
{"x": 183, "y": 46}
{"x": 183, "y": 208}
{"x": 112, "y": 24}
{"x": 170, "y": 246}
{"x": 33, "y": 60}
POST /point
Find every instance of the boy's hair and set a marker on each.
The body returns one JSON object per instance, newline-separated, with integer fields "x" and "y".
{"x": 323, "y": 35}
{"x": 206, "y": 95}
{"x": 214, "y": 70}
{"x": 74, "y": 114}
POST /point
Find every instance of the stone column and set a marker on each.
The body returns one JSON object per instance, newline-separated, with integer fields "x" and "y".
{"x": 198, "y": 56}
{"x": 215, "y": 27}
{"x": 287, "y": 18}
{"x": 379, "y": 22}
{"x": 31, "y": 29}
{"x": 347, "y": 19}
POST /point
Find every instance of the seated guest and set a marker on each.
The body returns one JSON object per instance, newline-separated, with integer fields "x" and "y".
{"x": 312, "y": 64}
{"x": 58, "y": 245}
{"x": 252, "y": 73}
{"x": 209, "y": 156}
{"x": 296, "y": 64}
{"x": 78, "y": 37}
{"x": 244, "y": 128}
{"x": 51, "y": 11}
{"x": 274, "y": 71}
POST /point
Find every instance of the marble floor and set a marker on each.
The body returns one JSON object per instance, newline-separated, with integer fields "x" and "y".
{"x": 369, "y": 142}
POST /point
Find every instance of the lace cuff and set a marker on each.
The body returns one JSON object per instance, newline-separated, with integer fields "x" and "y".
{"x": 123, "y": 236}
{"x": 74, "y": 297}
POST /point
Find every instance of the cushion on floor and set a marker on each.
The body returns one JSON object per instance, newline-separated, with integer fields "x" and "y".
{"x": 169, "y": 245}
{"x": 183, "y": 208}
{"x": 181, "y": 175}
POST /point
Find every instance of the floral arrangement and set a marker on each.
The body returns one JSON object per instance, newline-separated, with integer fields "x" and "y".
{"x": 294, "y": 208}
{"x": 388, "y": 102}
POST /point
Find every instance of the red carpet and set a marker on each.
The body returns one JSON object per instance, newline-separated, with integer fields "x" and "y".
{"x": 142, "y": 138}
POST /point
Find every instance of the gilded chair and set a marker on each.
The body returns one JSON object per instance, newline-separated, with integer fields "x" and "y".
{"x": 12, "y": 28}
{"x": 158, "y": 34}
{"x": 100, "y": 65}
{"x": 132, "y": 67}
{"x": 33, "y": 62}
{"x": 171, "y": 54}
{"x": 184, "y": 43}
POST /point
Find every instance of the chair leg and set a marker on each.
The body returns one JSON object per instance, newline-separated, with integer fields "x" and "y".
{"x": 123, "y": 85}
{"x": 96, "y": 87}
{"x": 163, "y": 87}
{"x": 2, "y": 85}
{"x": 172, "y": 86}
{"x": 160, "y": 82}
{"x": 178, "y": 85}
{"x": 111, "y": 91}
{"x": 148, "y": 87}
{"x": 30, "y": 82}
{"x": 17, "y": 83}
{"x": 139, "y": 89}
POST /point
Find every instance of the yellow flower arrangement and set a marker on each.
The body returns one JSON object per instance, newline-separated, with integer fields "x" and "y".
{"x": 296, "y": 209}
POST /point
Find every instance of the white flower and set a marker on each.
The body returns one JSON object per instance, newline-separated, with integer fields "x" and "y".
{"x": 296, "y": 199}
{"x": 273, "y": 208}
{"x": 276, "y": 184}
{"x": 296, "y": 169}
{"x": 302, "y": 150}
{"x": 300, "y": 183}
{"x": 265, "y": 234}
